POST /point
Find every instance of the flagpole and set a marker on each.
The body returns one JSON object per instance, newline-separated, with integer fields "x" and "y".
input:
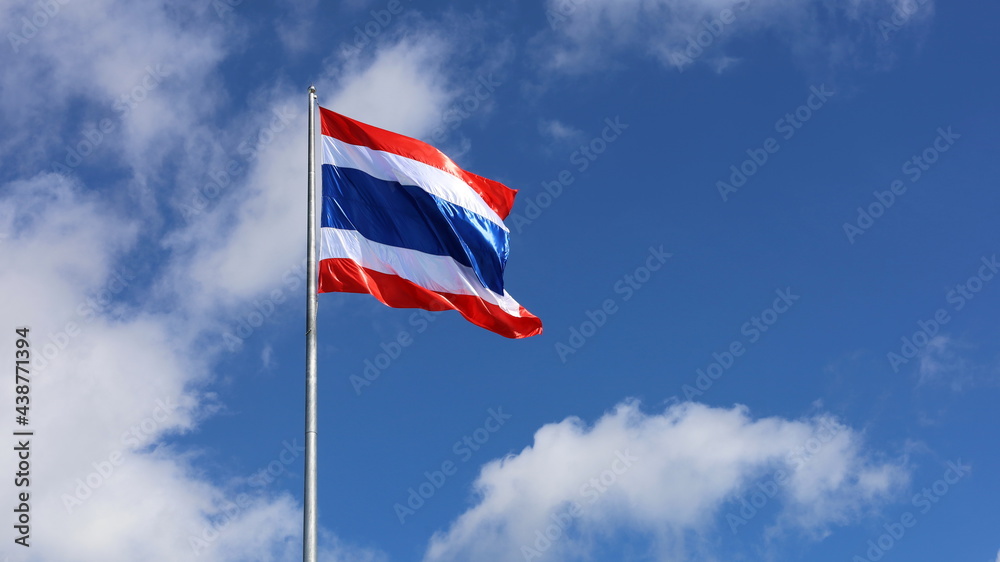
{"x": 309, "y": 498}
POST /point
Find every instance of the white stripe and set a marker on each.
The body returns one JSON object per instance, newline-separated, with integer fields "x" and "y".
{"x": 393, "y": 167}
{"x": 436, "y": 273}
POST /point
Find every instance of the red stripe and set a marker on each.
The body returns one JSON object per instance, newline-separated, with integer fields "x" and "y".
{"x": 497, "y": 195}
{"x": 346, "y": 276}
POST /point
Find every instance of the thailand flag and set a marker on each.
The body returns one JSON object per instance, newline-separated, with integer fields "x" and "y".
{"x": 402, "y": 222}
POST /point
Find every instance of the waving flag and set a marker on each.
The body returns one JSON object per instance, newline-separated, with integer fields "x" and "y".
{"x": 402, "y": 222}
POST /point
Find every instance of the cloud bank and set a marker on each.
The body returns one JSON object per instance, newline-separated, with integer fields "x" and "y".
{"x": 667, "y": 477}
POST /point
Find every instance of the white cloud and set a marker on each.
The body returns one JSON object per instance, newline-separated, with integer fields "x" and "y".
{"x": 143, "y": 67}
{"x": 590, "y": 35}
{"x": 560, "y": 132}
{"x": 683, "y": 468}
{"x": 111, "y": 381}
{"x": 720, "y": 64}
{"x": 405, "y": 88}
{"x": 259, "y": 237}
{"x": 96, "y": 376}
{"x": 266, "y": 359}
{"x": 122, "y": 365}
{"x": 121, "y": 376}
{"x": 939, "y": 359}
{"x": 946, "y": 361}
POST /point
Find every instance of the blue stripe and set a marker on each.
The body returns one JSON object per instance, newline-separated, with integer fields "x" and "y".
{"x": 408, "y": 217}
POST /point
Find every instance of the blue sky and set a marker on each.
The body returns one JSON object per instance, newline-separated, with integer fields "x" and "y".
{"x": 760, "y": 235}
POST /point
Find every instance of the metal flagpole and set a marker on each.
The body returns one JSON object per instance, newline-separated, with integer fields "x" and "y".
{"x": 309, "y": 498}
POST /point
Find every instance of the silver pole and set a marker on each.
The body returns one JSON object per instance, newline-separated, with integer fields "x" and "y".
{"x": 309, "y": 498}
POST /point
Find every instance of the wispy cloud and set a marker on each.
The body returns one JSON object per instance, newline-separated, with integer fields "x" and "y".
{"x": 940, "y": 359}
{"x": 591, "y": 35}
{"x": 947, "y": 361}
{"x": 558, "y": 131}
{"x": 297, "y": 30}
